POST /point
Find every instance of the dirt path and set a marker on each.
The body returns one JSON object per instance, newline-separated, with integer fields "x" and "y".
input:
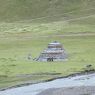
{"x": 59, "y": 35}
{"x": 28, "y": 36}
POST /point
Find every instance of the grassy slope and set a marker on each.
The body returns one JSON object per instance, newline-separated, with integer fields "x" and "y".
{"x": 23, "y": 21}
{"x": 29, "y": 9}
{"x": 50, "y": 16}
{"x": 14, "y": 65}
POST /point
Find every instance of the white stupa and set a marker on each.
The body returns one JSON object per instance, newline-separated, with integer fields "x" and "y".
{"x": 54, "y": 52}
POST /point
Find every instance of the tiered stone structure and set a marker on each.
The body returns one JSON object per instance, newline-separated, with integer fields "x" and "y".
{"x": 54, "y": 52}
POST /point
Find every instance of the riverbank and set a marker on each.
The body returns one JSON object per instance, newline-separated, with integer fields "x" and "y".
{"x": 48, "y": 80}
{"x": 82, "y": 90}
{"x": 16, "y": 70}
{"x": 78, "y": 84}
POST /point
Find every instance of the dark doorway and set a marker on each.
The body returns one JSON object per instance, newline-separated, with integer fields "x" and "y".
{"x": 50, "y": 59}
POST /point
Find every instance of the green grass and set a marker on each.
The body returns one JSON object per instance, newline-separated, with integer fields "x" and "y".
{"x": 23, "y": 27}
{"x": 14, "y": 62}
{"x": 58, "y": 27}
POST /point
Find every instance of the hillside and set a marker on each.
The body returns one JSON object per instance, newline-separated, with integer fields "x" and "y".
{"x": 11, "y": 10}
{"x": 47, "y": 16}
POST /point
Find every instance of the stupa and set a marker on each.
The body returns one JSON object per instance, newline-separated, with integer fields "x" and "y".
{"x": 54, "y": 52}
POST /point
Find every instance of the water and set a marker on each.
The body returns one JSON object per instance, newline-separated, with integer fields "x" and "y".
{"x": 83, "y": 80}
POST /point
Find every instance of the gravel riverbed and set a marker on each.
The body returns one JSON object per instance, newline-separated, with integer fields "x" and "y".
{"x": 83, "y": 90}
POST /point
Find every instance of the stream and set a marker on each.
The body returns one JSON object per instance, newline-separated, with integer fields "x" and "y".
{"x": 34, "y": 89}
